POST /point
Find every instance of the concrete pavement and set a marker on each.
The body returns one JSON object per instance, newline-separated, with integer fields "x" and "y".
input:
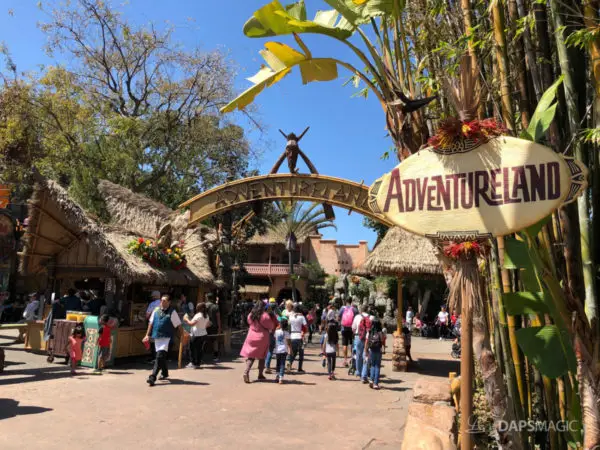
{"x": 42, "y": 406}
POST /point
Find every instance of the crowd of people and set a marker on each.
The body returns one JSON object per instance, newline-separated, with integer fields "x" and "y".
{"x": 445, "y": 325}
{"x": 281, "y": 332}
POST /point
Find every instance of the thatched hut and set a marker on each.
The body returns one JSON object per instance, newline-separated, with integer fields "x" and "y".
{"x": 67, "y": 247}
{"x": 400, "y": 253}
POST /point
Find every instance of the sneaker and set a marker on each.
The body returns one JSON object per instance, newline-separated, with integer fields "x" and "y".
{"x": 277, "y": 379}
{"x": 301, "y": 371}
{"x": 268, "y": 371}
{"x": 440, "y": 338}
{"x": 246, "y": 379}
{"x": 190, "y": 366}
{"x": 150, "y": 381}
{"x": 280, "y": 381}
{"x": 162, "y": 377}
{"x": 376, "y": 387}
{"x": 261, "y": 378}
{"x": 365, "y": 381}
{"x": 73, "y": 372}
{"x": 217, "y": 360}
{"x": 330, "y": 377}
{"x": 371, "y": 385}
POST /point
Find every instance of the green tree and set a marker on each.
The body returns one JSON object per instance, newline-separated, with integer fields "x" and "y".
{"x": 129, "y": 106}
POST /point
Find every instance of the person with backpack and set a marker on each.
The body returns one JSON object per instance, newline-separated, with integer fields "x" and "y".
{"x": 360, "y": 327}
{"x": 346, "y": 315}
{"x": 375, "y": 343}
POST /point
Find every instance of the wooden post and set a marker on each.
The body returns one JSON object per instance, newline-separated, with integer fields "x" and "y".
{"x": 181, "y": 338}
{"x": 466, "y": 374}
{"x": 398, "y": 352}
{"x": 400, "y": 305}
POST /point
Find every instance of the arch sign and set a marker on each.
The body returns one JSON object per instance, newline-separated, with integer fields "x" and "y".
{"x": 493, "y": 189}
{"x": 309, "y": 187}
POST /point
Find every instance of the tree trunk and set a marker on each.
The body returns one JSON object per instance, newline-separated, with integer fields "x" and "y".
{"x": 292, "y": 280}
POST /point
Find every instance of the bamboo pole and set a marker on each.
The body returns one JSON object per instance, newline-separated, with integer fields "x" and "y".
{"x": 514, "y": 348}
{"x": 502, "y": 62}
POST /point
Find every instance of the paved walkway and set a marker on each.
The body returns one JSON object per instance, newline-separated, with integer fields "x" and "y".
{"x": 42, "y": 406}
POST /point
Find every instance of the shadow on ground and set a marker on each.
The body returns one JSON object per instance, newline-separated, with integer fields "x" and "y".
{"x": 436, "y": 367}
{"x": 10, "y": 408}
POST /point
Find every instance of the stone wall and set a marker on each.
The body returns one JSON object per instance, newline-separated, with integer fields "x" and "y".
{"x": 431, "y": 421}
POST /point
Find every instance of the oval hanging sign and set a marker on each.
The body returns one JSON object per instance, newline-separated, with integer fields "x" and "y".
{"x": 498, "y": 188}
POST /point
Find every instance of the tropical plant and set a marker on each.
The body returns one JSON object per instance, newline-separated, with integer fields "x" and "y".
{"x": 298, "y": 222}
{"x": 382, "y": 72}
{"x": 128, "y": 105}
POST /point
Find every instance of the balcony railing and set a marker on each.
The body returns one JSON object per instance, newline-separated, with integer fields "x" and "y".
{"x": 272, "y": 269}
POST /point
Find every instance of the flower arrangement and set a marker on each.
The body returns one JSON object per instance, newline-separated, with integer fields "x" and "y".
{"x": 158, "y": 256}
{"x": 454, "y": 130}
{"x": 464, "y": 250}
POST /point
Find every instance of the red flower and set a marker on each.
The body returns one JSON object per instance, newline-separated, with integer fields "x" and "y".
{"x": 140, "y": 240}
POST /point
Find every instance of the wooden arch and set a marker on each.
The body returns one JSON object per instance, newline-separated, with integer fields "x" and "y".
{"x": 309, "y": 187}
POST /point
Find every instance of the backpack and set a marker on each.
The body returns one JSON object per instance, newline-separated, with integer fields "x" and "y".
{"x": 375, "y": 341}
{"x": 363, "y": 328}
{"x": 348, "y": 316}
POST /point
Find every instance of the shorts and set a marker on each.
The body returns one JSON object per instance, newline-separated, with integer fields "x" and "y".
{"x": 104, "y": 352}
{"x": 347, "y": 336}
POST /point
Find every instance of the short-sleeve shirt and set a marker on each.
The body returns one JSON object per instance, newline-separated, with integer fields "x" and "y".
{"x": 152, "y": 306}
{"x": 443, "y": 317}
{"x": 212, "y": 310}
{"x": 104, "y": 340}
{"x": 330, "y": 345}
{"x": 297, "y": 321}
{"x": 200, "y": 328}
{"x": 162, "y": 344}
{"x": 281, "y": 338}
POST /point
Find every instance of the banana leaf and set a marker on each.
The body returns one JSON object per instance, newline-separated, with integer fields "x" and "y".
{"x": 542, "y": 347}
{"x": 275, "y": 20}
{"x": 518, "y": 303}
{"x": 280, "y": 59}
{"x": 359, "y": 12}
{"x": 543, "y": 114}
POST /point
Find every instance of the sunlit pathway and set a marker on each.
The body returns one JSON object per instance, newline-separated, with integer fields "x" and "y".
{"x": 41, "y": 406}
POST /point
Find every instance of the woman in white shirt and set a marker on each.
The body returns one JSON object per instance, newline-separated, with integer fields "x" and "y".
{"x": 199, "y": 324}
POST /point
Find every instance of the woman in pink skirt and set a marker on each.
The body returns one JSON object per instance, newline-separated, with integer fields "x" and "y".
{"x": 257, "y": 341}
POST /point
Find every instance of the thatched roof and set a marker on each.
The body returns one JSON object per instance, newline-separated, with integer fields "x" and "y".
{"x": 133, "y": 211}
{"x": 57, "y": 224}
{"x": 275, "y": 235}
{"x": 402, "y": 252}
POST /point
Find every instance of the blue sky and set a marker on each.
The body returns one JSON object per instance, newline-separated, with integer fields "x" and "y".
{"x": 347, "y": 135}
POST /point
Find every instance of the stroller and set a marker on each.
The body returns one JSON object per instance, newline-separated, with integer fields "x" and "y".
{"x": 455, "y": 353}
{"x": 352, "y": 368}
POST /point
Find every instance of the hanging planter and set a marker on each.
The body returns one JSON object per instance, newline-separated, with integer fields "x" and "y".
{"x": 158, "y": 256}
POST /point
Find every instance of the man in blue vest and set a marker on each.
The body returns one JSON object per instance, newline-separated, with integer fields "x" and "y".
{"x": 164, "y": 320}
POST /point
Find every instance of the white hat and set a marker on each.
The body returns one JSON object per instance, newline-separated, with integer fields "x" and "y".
{"x": 155, "y": 294}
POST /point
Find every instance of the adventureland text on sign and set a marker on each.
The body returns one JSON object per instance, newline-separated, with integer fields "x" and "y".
{"x": 495, "y": 189}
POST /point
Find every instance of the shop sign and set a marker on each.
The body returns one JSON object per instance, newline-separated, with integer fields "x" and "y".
{"x": 499, "y": 187}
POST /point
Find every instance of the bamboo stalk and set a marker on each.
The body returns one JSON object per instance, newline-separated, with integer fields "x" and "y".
{"x": 502, "y": 61}
{"x": 511, "y": 322}
{"x": 583, "y": 203}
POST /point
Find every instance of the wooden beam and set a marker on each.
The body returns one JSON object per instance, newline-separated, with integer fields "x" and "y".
{"x": 58, "y": 222}
{"x": 46, "y": 238}
{"x": 41, "y": 255}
